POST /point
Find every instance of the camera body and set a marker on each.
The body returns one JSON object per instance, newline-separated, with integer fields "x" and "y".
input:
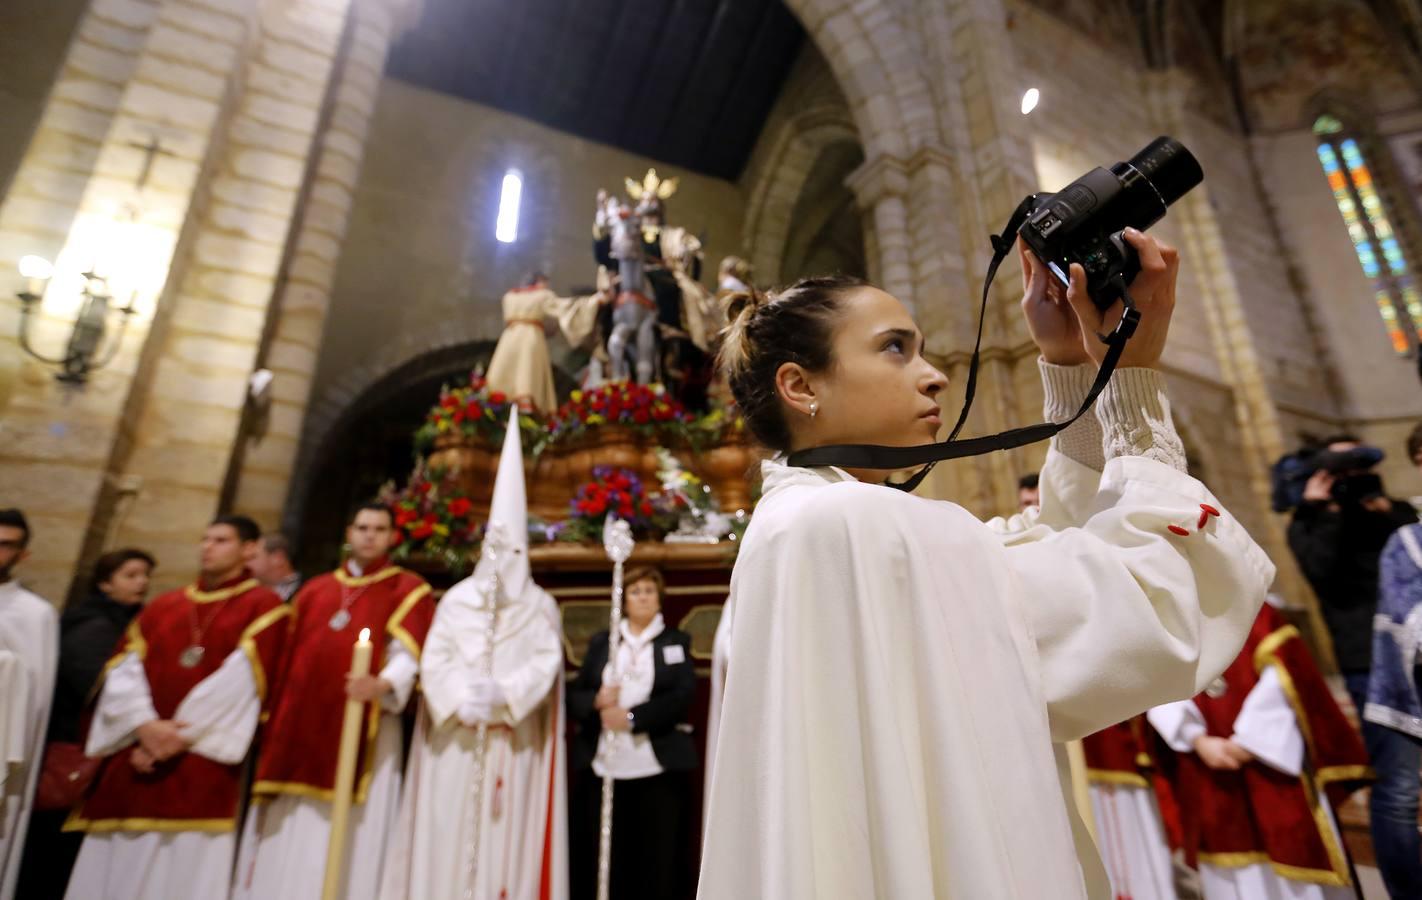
{"x": 1085, "y": 221}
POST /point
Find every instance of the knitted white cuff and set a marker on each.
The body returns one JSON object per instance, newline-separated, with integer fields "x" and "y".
{"x": 1064, "y": 388}
{"x": 1134, "y": 413}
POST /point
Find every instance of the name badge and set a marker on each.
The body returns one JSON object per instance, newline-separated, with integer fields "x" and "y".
{"x": 672, "y": 654}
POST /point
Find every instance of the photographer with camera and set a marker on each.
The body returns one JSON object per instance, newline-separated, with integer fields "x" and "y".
{"x": 1341, "y": 523}
{"x": 904, "y": 672}
{"x": 1342, "y": 520}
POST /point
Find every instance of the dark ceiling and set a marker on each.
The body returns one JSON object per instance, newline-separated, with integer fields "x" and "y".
{"x": 688, "y": 82}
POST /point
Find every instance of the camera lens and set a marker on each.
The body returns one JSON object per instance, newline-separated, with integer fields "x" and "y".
{"x": 1168, "y": 166}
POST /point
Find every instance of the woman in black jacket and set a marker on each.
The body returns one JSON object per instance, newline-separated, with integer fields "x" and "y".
{"x": 648, "y": 752}
{"x": 89, "y": 633}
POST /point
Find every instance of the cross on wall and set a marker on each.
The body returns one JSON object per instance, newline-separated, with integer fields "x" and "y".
{"x": 151, "y": 150}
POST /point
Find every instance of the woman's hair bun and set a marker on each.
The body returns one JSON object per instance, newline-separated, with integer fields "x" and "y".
{"x": 744, "y": 302}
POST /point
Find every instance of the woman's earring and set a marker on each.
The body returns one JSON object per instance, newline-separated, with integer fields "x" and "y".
{"x": 814, "y": 409}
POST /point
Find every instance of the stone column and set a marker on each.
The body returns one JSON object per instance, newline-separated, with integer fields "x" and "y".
{"x": 1255, "y": 413}
{"x": 881, "y": 186}
{"x": 267, "y": 459}
{"x": 90, "y": 197}
{"x": 186, "y": 422}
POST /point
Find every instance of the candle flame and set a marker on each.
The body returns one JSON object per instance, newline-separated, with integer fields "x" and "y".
{"x": 364, "y": 635}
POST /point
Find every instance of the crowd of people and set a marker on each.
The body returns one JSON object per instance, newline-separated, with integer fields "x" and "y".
{"x": 896, "y": 687}
{"x": 1235, "y": 793}
{"x": 191, "y": 745}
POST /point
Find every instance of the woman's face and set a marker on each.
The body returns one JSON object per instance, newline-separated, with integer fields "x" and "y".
{"x": 642, "y": 602}
{"x": 129, "y": 583}
{"x": 879, "y": 389}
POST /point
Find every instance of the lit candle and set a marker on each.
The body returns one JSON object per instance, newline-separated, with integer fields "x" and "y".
{"x": 345, "y": 771}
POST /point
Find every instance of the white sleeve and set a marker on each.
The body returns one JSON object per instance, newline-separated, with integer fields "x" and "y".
{"x": 442, "y": 668}
{"x": 125, "y": 703}
{"x": 529, "y": 684}
{"x": 1267, "y": 727}
{"x": 400, "y": 670}
{"x": 15, "y": 725}
{"x": 220, "y": 713}
{"x": 1178, "y": 723}
{"x": 1128, "y": 614}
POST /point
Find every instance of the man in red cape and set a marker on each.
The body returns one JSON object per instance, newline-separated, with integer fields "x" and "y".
{"x": 288, "y": 831}
{"x": 176, "y": 715}
{"x": 1137, "y": 821}
{"x": 1265, "y": 754}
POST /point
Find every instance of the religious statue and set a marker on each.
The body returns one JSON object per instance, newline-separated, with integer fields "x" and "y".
{"x": 631, "y": 234}
{"x": 520, "y": 366}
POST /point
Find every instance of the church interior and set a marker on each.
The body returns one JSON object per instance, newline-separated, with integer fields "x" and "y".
{"x": 259, "y": 257}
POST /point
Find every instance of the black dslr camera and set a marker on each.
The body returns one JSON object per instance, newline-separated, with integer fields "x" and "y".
{"x": 1083, "y": 222}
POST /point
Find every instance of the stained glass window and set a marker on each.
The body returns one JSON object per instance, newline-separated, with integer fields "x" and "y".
{"x": 1374, "y": 240}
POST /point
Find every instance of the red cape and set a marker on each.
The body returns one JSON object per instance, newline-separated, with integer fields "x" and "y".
{"x": 1258, "y": 814}
{"x": 303, "y": 736}
{"x": 189, "y": 792}
{"x": 1127, "y": 753}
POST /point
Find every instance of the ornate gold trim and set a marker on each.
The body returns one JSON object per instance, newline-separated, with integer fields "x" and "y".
{"x": 396, "y": 630}
{"x": 350, "y": 580}
{"x": 1283, "y": 870}
{"x": 1344, "y": 773}
{"x": 136, "y": 645}
{"x": 721, "y": 608}
{"x": 75, "y": 822}
{"x": 200, "y": 596}
{"x": 1266, "y": 655}
{"x": 248, "y": 643}
{"x": 1108, "y": 776}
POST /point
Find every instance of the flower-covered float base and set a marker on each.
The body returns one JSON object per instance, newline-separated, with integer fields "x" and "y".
{"x": 625, "y": 449}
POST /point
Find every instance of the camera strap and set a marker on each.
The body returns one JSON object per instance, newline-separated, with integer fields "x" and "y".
{"x": 873, "y": 456}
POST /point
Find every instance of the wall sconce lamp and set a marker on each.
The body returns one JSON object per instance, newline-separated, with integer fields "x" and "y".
{"x": 86, "y": 340}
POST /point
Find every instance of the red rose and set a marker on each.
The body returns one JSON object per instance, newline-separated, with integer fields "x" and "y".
{"x": 625, "y": 510}
{"x": 404, "y": 516}
{"x": 459, "y": 507}
{"x": 475, "y": 411}
{"x": 646, "y": 508}
{"x": 424, "y": 487}
{"x": 640, "y": 417}
{"x": 422, "y": 530}
{"x": 498, "y": 397}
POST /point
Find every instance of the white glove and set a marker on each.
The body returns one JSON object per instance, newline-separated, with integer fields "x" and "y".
{"x": 485, "y": 691}
{"x": 481, "y": 696}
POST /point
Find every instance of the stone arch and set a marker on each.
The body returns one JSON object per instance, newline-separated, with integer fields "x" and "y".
{"x": 794, "y": 151}
{"x": 407, "y": 360}
{"x": 891, "y": 103}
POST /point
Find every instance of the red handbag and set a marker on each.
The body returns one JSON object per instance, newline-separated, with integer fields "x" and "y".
{"x": 65, "y": 775}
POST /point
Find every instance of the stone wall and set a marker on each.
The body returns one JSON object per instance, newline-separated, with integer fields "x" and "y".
{"x": 420, "y": 268}
{"x": 193, "y": 234}
{"x": 34, "y": 35}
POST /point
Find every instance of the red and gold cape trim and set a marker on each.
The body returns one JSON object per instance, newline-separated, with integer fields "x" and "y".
{"x": 1314, "y": 782}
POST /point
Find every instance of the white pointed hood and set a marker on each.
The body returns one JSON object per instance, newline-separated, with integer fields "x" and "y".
{"x": 509, "y": 508}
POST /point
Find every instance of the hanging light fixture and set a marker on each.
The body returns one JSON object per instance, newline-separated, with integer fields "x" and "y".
{"x": 86, "y": 349}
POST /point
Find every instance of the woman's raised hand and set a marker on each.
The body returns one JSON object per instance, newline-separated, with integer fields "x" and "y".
{"x": 1154, "y": 293}
{"x": 1052, "y": 323}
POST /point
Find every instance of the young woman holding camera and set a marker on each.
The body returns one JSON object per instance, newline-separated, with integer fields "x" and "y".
{"x": 901, "y": 674}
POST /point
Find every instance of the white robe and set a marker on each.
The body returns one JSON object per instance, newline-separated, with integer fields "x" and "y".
{"x": 523, "y": 812}
{"x": 285, "y": 839}
{"x": 1132, "y": 841}
{"x": 901, "y": 674}
{"x": 29, "y": 653}
{"x": 221, "y": 714}
{"x": 1267, "y": 727}
{"x": 720, "y": 661}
